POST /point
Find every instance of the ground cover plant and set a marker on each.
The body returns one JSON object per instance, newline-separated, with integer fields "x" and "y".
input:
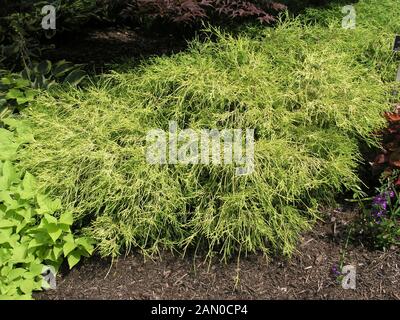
{"x": 15, "y": 93}
{"x": 35, "y": 232}
{"x": 311, "y": 93}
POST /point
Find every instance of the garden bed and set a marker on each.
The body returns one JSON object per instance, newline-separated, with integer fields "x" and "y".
{"x": 84, "y": 182}
{"x": 306, "y": 276}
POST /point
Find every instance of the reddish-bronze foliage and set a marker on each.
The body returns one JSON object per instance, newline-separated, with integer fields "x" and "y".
{"x": 190, "y": 11}
{"x": 389, "y": 157}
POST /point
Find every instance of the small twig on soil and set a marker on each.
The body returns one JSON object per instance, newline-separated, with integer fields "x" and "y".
{"x": 109, "y": 270}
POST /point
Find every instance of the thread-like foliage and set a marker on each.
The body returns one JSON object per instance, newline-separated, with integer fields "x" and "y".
{"x": 306, "y": 90}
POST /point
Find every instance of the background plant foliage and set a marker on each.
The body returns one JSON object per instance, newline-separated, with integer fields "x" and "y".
{"x": 22, "y": 37}
{"x": 34, "y": 230}
{"x": 311, "y": 93}
{"x": 18, "y": 89}
{"x": 15, "y": 93}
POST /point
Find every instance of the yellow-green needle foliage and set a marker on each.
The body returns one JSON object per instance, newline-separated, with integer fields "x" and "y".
{"x": 311, "y": 93}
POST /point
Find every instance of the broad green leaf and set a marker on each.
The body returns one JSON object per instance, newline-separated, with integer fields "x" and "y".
{"x": 49, "y": 255}
{"x": 50, "y": 219}
{"x": 66, "y": 218}
{"x": 21, "y": 126}
{"x": 13, "y": 240}
{"x": 36, "y": 268}
{"x": 22, "y": 83}
{"x": 30, "y": 94}
{"x": 75, "y": 77}
{"x": 6, "y": 81}
{"x": 24, "y": 138}
{"x": 27, "y": 286}
{"x": 25, "y": 213}
{"x": 23, "y": 100}
{"x": 5, "y": 235}
{"x": 47, "y": 205}
{"x": 73, "y": 258}
{"x": 35, "y": 242}
{"x": 9, "y": 201}
{"x": 8, "y": 148}
{"x": 5, "y": 223}
{"x": 4, "y": 184}
{"x": 64, "y": 227}
{"x": 5, "y": 270}
{"x": 43, "y": 67}
{"x": 29, "y": 275}
{"x": 5, "y": 135}
{"x": 15, "y": 273}
{"x": 20, "y": 226}
{"x": 68, "y": 238}
{"x": 62, "y": 67}
{"x": 57, "y": 250}
{"x": 19, "y": 253}
{"x": 9, "y": 172}
{"x": 14, "y": 94}
{"x": 86, "y": 243}
{"x": 54, "y": 231}
{"x": 8, "y": 151}
{"x": 68, "y": 247}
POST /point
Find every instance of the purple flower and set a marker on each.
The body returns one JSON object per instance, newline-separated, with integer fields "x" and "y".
{"x": 380, "y": 202}
{"x": 380, "y": 214}
{"x": 335, "y": 271}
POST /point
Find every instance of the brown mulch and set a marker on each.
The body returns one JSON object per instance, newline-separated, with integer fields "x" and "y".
{"x": 307, "y": 275}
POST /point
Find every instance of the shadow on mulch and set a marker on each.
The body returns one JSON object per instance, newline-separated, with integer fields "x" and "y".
{"x": 98, "y": 47}
{"x": 307, "y": 275}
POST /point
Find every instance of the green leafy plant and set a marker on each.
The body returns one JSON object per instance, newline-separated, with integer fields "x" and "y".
{"x": 34, "y": 230}
{"x": 18, "y": 40}
{"x": 15, "y": 93}
{"x": 21, "y": 33}
{"x": 45, "y": 74}
{"x": 380, "y": 222}
{"x": 17, "y": 90}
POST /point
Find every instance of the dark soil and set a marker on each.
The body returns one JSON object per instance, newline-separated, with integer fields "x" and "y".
{"x": 99, "y": 47}
{"x": 307, "y": 275}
